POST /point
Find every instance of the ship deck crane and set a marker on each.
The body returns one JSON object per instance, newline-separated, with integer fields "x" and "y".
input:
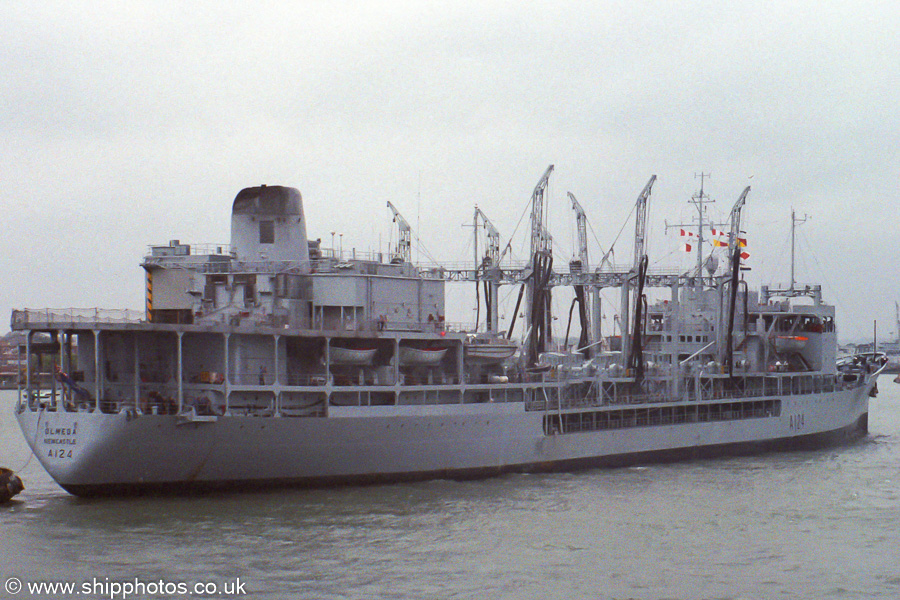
{"x": 581, "y": 225}
{"x": 581, "y": 266}
{"x": 493, "y": 237}
{"x": 734, "y": 246}
{"x": 403, "y": 252}
{"x": 632, "y": 346}
{"x": 487, "y": 271}
{"x": 539, "y": 238}
{"x": 538, "y": 287}
{"x": 640, "y": 226}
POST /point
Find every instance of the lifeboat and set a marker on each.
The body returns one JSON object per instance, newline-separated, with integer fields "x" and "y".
{"x": 418, "y": 357}
{"x": 790, "y": 343}
{"x": 488, "y": 351}
{"x": 352, "y": 356}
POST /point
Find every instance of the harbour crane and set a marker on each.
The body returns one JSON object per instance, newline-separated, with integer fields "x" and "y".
{"x": 404, "y": 243}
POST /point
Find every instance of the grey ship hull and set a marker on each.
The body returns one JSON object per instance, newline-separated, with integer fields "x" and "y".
{"x": 97, "y": 453}
{"x": 346, "y": 370}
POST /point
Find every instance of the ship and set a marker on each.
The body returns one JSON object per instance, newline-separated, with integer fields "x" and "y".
{"x": 274, "y": 361}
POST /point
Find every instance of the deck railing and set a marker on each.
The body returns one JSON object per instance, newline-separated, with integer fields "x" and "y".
{"x": 67, "y": 316}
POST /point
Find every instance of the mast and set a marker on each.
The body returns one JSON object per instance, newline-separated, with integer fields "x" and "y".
{"x": 699, "y": 199}
{"x": 792, "y": 291}
{"x": 794, "y": 222}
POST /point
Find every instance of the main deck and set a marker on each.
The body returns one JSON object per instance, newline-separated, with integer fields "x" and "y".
{"x": 114, "y": 362}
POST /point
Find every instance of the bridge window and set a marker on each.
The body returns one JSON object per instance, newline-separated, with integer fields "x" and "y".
{"x": 267, "y": 232}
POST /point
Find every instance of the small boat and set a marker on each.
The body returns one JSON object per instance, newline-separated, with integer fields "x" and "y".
{"x": 352, "y": 356}
{"x": 790, "y": 343}
{"x": 489, "y": 352}
{"x": 421, "y": 357}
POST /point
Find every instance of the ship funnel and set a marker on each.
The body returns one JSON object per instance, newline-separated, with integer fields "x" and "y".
{"x": 267, "y": 224}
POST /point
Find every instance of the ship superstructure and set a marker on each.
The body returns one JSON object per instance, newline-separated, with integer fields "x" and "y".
{"x": 272, "y": 360}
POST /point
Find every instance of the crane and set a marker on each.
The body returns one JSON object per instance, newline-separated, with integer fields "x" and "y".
{"x": 735, "y": 220}
{"x": 582, "y": 264}
{"x": 538, "y": 287}
{"x": 581, "y": 224}
{"x": 404, "y": 244}
{"x": 734, "y": 246}
{"x": 488, "y": 270}
{"x": 539, "y": 240}
{"x": 493, "y": 236}
{"x": 640, "y": 225}
{"x": 631, "y": 345}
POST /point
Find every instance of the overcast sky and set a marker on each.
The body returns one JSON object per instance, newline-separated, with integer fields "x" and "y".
{"x": 132, "y": 123}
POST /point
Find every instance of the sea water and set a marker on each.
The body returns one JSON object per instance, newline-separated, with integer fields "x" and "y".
{"x": 821, "y": 524}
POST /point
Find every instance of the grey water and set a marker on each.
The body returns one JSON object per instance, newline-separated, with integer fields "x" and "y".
{"x": 818, "y": 524}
